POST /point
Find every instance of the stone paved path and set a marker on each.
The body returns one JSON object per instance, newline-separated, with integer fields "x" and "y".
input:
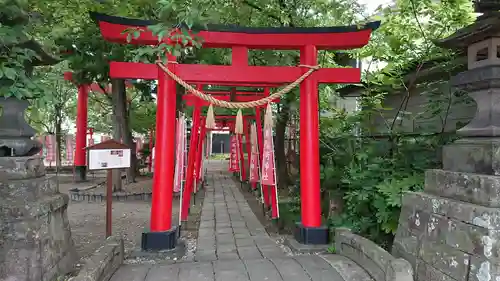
{"x": 232, "y": 246}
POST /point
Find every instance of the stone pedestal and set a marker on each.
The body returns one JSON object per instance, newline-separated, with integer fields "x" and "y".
{"x": 451, "y": 231}
{"x": 35, "y": 235}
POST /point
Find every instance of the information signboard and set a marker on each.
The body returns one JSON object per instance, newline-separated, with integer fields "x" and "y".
{"x": 100, "y": 159}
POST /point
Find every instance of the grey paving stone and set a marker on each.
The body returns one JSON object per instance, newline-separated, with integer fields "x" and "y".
{"x": 243, "y": 236}
{"x": 242, "y": 242}
{"x": 131, "y": 273}
{"x": 241, "y": 230}
{"x": 262, "y": 269}
{"x": 223, "y": 225}
{"x": 224, "y": 231}
{"x": 249, "y": 252}
{"x": 318, "y": 268}
{"x": 198, "y": 271}
{"x": 233, "y": 255}
{"x": 238, "y": 224}
{"x": 230, "y": 271}
{"x": 290, "y": 270}
{"x": 205, "y": 247}
{"x": 224, "y": 238}
{"x": 257, "y": 232}
{"x": 205, "y": 256}
{"x": 226, "y": 247}
{"x": 163, "y": 273}
{"x": 206, "y": 232}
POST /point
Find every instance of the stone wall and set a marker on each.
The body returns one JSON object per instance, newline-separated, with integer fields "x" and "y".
{"x": 35, "y": 231}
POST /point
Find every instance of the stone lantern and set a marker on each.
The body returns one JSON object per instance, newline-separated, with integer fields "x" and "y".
{"x": 35, "y": 235}
{"x": 451, "y": 230}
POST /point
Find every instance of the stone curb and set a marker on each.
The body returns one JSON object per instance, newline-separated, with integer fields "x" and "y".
{"x": 92, "y": 197}
{"x": 305, "y": 249}
{"x": 104, "y": 262}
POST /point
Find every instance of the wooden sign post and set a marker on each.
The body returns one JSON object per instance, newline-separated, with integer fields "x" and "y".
{"x": 108, "y": 155}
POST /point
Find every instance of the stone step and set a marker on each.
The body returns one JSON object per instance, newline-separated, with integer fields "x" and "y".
{"x": 348, "y": 269}
{"x": 479, "y": 189}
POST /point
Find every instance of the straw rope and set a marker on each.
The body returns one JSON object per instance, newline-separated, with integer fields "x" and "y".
{"x": 250, "y": 104}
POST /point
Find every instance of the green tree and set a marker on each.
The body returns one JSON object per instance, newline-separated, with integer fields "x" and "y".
{"x": 371, "y": 174}
{"x": 51, "y": 112}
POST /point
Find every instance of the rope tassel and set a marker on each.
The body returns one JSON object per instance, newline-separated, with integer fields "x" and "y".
{"x": 210, "y": 122}
{"x": 238, "y": 127}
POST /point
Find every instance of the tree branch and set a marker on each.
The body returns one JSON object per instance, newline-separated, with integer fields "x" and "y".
{"x": 260, "y": 9}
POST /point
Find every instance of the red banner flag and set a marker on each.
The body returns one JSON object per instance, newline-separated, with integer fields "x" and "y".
{"x": 254, "y": 156}
{"x": 50, "y": 143}
{"x": 234, "y": 160}
{"x": 70, "y": 148}
{"x": 91, "y": 142}
{"x": 268, "y": 163}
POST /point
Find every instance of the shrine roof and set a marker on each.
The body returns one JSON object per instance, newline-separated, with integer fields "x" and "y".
{"x": 482, "y": 29}
{"x": 241, "y": 29}
{"x": 226, "y": 36}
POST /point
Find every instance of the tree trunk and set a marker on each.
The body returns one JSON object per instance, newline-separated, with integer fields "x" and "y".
{"x": 134, "y": 161}
{"x": 57, "y": 132}
{"x": 118, "y": 86}
{"x": 121, "y": 121}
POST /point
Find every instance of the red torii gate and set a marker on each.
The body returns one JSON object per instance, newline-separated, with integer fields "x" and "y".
{"x": 194, "y": 156}
{"x": 240, "y": 39}
{"x": 80, "y": 159}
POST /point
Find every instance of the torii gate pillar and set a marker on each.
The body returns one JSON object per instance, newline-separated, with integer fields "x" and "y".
{"x": 162, "y": 234}
{"x": 81, "y": 132}
{"x": 309, "y": 230}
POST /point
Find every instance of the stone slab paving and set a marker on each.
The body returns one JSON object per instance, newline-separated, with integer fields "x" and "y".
{"x": 232, "y": 245}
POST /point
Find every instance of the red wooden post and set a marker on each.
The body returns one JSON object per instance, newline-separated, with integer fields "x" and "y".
{"x": 186, "y": 195}
{"x": 242, "y": 158}
{"x": 163, "y": 180}
{"x": 201, "y": 141}
{"x": 81, "y": 132}
{"x": 109, "y": 202}
{"x": 246, "y": 128}
{"x": 309, "y": 145}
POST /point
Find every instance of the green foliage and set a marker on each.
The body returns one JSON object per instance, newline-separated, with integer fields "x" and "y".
{"x": 373, "y": 173}
{"x": 52, "y": 112}
{"x": 17, "y": 51}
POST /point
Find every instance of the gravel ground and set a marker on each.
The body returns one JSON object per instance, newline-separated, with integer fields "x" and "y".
{"x": 130, "y": 218}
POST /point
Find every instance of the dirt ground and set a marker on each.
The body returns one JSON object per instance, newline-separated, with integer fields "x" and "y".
{"x": 88, "y": 220}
